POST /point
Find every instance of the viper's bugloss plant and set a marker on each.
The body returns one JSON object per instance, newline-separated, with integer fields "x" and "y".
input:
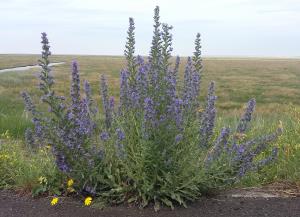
{"x": 159, "y": 144}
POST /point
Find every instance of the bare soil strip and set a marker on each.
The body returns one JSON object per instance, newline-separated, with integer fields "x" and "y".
{"x": 13, "y": 205}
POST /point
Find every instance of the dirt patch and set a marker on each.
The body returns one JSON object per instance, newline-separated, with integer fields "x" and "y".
{"x": 275, "y": 190}
{"x": 13, "y": 205}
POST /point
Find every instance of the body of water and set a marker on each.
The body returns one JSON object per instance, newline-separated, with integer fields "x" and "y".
{"x": 24, "y": 68}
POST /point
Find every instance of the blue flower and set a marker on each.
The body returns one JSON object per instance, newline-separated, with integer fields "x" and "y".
{"x": 104, "y": 136}
{"x": 120, "y": 134}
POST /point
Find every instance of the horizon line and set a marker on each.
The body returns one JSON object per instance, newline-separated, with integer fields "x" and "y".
{"x": 203, "y": 56}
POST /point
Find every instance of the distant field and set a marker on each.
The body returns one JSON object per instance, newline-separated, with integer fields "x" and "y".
{"x": 273, "y": 82}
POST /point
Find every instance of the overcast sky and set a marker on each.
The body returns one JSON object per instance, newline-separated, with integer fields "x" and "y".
{"x": 228, "y": 27}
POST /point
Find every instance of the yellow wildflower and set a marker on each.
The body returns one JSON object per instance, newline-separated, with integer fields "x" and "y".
{"x": 70, "y": 182}
{"x": 54, "y": 201}
{"x": 88, "y": 201}
{"x": 42, "y": 180}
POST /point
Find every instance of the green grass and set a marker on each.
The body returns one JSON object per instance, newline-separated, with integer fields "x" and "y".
{"x": 270, "y": 81}
{"x": 273, "y": 82}
{"x": 21, "y": 169}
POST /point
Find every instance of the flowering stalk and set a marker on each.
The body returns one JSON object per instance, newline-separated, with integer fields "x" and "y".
{"x": 246, "y": 118}
{"x": 149, "y": 114}
{"x": 105, "y": 102}
{"x": 155, "y": 53}
{"x": 45, "y": 76}
{"x": 166, "y": 46}
{"x": 88, "y": 98}
{"x": 208, "y": 118}
{"x": 197, "y": 60}
{"x": 75, "y": 89}
{"x": 47, "y": 80}
{"x": 220, "y": 145}
{"x": 124, "y": 90}
{"x": 187, "y": 85}
{"x": 141, "y": 79}
{"x": 129, "y": 53}
{"x": 197, "y": 71}
{"x": 245, "y": 153}
{"x": 119, "y": 145}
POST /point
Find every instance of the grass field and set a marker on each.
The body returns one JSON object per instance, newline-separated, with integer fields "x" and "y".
{"x": 275, "y": 83}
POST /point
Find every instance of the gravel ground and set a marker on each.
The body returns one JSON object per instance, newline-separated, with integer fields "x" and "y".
{"x": 13, "y": 205}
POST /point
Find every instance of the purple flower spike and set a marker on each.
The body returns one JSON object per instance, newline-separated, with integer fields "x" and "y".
{"x": 105, "y": 101}
{"x": 149, "y": 113}
{"x": 246, "y": 118}
{"x": 208, "y": 118}
{"x": 123, "y": 90}
{"x": 75, "y": 88}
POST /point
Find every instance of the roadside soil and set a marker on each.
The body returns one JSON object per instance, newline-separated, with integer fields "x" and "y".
{"x": 252, "y": 202}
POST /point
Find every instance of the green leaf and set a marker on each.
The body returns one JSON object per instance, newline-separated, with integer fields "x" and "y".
{"x": 132, "y": 199}
{"x": 167, "y": 202}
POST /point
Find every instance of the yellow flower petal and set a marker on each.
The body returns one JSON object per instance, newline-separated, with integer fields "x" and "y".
{"x": 70, "y": 182}
{"x": 54, "y": 201}
{"x": 88, "y": 201}
{"x": 42, "y": 180}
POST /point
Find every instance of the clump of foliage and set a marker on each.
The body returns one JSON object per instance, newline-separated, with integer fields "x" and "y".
{"x": 25, "y": 169}
{"x": 286, "y": 167}
{"x": 159, "y": 144}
